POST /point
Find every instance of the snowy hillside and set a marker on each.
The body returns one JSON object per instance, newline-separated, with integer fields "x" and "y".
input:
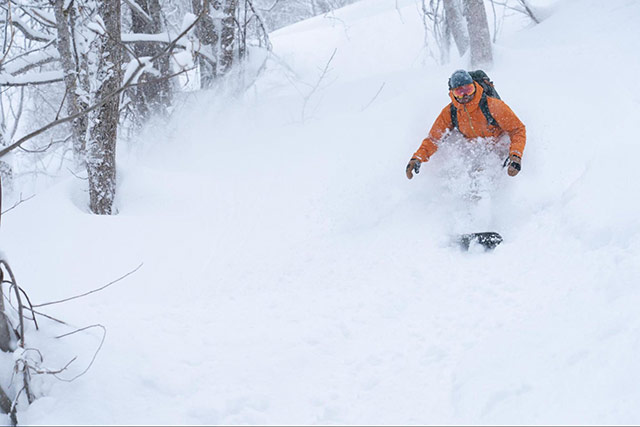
{"x": 293, "y": 275}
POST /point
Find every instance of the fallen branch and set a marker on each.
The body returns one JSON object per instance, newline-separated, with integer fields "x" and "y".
{"x": 90, "y": 292}
{"x": 95, "y": 355}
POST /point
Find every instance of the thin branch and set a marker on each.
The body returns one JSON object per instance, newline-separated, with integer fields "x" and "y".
{"x": 27, "y": 32}
{"x": 33, "y": 83}
{"x": 62, "y": 104}
{"x": 30, "y": 306}
{"x": 90, "y": 292}
{"x": 95, "y": 355}
{"x": 13, "y": 33}
{"x": 139, "y": 11}
{"x": 170, "y": 76}
{"x": 50, "y": 372}
{"x": 77, "y": 176}
{"x": 19, "y": 202}
{"x": 374, "y": 97}
{"x": 17, "y": 115}
{"x": 46, "y": 148}
{"x": 529, "y": 11}
{"x": 270, "y": 8}
{"x": 323, "y": 74}
{"x": 50, "y": 317}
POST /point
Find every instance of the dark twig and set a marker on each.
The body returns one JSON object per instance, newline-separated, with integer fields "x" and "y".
{"x": 90, "y": 292}
{"x": 50, "y": 372}
{"x": 50, "y": 317}
{"x": 95, "y": 355}
{"x": 19, "y": 202}
{"x": 30, "y": 306}
{"x": 374, "y": 97}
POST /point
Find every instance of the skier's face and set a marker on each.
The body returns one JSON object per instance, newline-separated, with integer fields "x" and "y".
{"x": 464, "y": 93}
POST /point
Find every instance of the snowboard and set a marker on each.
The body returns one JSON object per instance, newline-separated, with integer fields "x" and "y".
{"x": 489, "y": 240}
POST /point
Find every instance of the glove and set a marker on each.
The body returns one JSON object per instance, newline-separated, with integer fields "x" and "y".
{"x": 413, "y": 166}
{"x": 514, "y": 165}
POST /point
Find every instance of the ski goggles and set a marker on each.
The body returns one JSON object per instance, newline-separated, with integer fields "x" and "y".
{"x": 464, "y": 90}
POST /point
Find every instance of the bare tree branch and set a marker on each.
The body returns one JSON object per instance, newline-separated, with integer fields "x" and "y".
{"x": 374, "y": 97}
{"x": 29, "y": 33}
{"x": 315, "y": 87}
{"x": 95, "y": 355}
{"x": 90, "y": 292}
{"x": 19, "y": 202}
{"x": 139, "y": 11}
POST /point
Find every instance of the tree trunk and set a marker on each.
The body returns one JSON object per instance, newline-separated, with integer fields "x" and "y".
{"x": 151, "y": 98}
{"x": 479, "y": 37}
{"x": 456, "y": 25}
{"x": 7, "y": 343}
{"x": 207, "y": 35}
{"x": 103, "y": 132}
{"x": 228, "y": 36}
{"x": 74, "y": 103}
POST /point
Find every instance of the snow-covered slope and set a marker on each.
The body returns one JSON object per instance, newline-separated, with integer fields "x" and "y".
{"x": 292, "y": 274}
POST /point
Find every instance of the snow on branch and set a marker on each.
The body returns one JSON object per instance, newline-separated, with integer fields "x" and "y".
{"x": 29, "y": 60}
{"x": 41, "y": 78}
{"x": 155, "y": 38}
{"x": 43, "y": 17}
{"x": 135, "y": 7}
{"x": 28, "y": 32}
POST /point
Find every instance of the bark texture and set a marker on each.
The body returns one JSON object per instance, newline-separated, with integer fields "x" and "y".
{"x": 456, "y": 25}
{"x": 103, "y": 131}
{"x": 479, "y": 37}
{"x": 69, "y": 67}
{"x": 7, "y": 342}
{"x": 228, "y": 36}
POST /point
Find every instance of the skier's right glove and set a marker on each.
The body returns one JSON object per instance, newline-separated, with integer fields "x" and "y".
{"x": 413, "y": 166}
{"x": 514, "y": 165}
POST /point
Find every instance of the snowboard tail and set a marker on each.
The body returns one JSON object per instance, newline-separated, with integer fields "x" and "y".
{"x": 489, "y": 240}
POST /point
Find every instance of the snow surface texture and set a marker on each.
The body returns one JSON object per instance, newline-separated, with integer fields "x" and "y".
{"x": 293, "y": 275}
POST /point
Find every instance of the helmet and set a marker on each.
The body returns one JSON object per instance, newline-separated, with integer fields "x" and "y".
{"x": 459, "y": 78}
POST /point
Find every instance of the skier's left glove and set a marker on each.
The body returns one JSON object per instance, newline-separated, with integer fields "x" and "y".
{"x": 413, "y": 166}
{"x": 514, "y": 165}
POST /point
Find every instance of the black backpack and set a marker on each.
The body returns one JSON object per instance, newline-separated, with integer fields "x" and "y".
{"x": 483, "y": 80}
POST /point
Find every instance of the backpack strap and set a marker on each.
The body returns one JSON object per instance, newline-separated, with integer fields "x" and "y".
{"x": 484, "y": 107}
{"x": 454, "y": 115}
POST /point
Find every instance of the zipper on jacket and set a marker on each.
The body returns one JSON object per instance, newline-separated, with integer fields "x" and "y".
{"x": 470, "y": 122}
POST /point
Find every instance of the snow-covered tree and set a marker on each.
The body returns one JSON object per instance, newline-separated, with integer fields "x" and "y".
{"x": 74, "y": 99}
{"x": 103, "y": 122}
{"x": 152, "y": 95}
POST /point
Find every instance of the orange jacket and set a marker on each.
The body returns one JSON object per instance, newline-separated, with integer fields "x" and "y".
{"x": 473, "y": 124}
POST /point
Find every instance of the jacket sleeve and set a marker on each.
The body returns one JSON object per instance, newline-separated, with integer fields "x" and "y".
{"x": 430, "y": 144}
{"x": 511, "y": 124}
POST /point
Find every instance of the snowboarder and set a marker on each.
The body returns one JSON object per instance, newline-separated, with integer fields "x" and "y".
{"x": 476, "y": 114}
